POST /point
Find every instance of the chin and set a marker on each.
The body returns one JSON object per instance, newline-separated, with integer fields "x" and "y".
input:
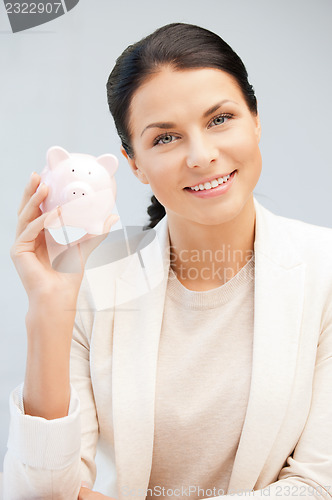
{"x": 211, "y": 220}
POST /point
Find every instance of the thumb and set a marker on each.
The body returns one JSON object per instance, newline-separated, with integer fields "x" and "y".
{"x": 109, "y": 222}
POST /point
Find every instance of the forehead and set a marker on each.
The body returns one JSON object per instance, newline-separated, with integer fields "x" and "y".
{"x": 170, "y": 92}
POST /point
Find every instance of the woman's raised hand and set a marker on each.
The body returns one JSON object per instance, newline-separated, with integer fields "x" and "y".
{"x": 31, "y": 252}
{"x": 52, "y": 303}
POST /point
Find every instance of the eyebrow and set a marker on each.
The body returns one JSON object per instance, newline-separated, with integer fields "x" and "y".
{"x": 166, "y": 125}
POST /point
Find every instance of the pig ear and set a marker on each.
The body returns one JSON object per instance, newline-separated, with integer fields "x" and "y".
{"x": 110, "y": 162}
{"x": 55, "y": 155}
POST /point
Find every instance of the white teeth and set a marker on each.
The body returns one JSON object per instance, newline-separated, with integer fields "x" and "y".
{"x": 212, "y": 184}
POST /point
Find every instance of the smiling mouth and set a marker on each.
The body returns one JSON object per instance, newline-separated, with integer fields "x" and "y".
{"x": 213, "y": 183}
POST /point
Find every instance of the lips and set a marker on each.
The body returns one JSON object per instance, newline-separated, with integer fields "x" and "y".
{"x": 209, "y": 179}
{"x": 211, "y": 192}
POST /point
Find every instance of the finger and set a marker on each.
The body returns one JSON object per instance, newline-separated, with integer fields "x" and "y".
{"x": 87, "y": 494}
{"x": 90, "y": 242}
{"x": 84, "y": 493}
{"x": 72, "y": 257}
{"x": 24, "y": 248}
{"x": 110, "y": 221}
{"x": 30, "y": 188}
{"x": 31, "y": 209}
{"x": 31, "y": 232}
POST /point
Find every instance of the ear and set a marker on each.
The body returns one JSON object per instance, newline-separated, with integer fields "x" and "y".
{"x": 110, "y": 162}
{"x": 55, "y": 155}
{"x": 132, "y": 163}
{"x": 258, "y": 127}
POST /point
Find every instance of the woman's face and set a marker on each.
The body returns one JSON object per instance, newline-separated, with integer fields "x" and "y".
{"x": 189, "y": 127}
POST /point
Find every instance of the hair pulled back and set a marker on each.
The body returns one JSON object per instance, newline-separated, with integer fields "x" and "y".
{"x": 182, "y": 46}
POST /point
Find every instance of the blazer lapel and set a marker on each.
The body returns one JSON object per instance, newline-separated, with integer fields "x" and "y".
{"x": 139, "y": 299}
{"x": 279, "y": 294}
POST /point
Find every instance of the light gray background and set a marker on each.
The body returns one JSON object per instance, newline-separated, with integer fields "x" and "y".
{"x": 53, "y": 93}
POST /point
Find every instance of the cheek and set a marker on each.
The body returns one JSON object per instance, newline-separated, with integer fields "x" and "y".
{"x": 158, "y": 174}
{"x": 164, "y": 180}
{"x": 243, "y": 146}
{"x": 160, "y": 169}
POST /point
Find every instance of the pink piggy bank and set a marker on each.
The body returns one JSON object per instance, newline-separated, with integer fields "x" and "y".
{"x": 84, "y": 189}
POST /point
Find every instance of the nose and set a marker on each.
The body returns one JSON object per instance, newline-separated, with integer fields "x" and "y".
{"x": 76, "y": 190}
{"x": 201, "y": 151}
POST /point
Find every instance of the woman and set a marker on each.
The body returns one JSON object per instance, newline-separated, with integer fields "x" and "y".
{"x": 205, "y": 371}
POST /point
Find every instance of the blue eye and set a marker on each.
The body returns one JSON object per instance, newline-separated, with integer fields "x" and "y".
{"x": 164, "y": 139}
{"x": 220, "y": 119}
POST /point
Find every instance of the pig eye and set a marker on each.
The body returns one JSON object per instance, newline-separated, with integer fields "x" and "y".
{"x": 73, "y": 170}
{"x": 89, "y": 173}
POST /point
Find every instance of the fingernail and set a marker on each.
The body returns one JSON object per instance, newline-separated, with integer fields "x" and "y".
{"x": 85, "y": 484}
{"x": 32, "y": 174}
{"x": 40, "y": 187}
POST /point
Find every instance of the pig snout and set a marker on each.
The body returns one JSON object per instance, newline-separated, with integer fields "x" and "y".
{"x": 76, "y": 190}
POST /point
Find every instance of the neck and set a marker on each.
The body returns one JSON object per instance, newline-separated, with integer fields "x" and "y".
{"x": 206, "y": 256}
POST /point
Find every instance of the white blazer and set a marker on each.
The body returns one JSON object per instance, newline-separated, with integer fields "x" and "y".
{"x": 285, "y": 447}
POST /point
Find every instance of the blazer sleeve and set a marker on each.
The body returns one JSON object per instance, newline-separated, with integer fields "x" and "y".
{"x": 48, "y": 459}
{"x": 308, "y": 470}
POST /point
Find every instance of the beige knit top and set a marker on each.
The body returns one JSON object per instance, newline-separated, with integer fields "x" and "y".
{"x": 202, "y": 388}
